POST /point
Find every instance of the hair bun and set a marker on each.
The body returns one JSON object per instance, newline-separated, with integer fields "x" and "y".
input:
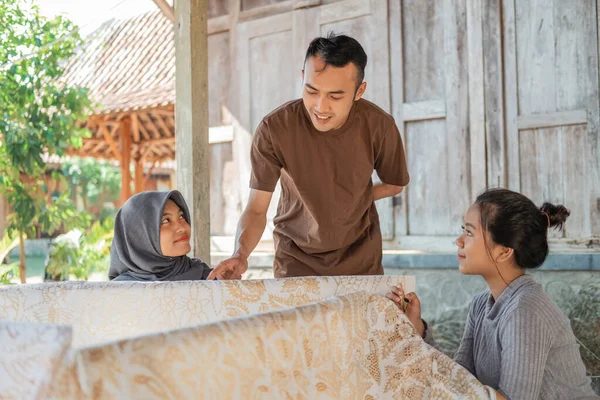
{"x": 557, "y": 214}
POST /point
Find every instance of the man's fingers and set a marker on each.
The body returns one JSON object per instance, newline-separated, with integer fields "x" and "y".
{"x": 212, "y": 275}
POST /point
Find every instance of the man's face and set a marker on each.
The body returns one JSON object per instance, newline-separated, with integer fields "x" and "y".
{"x": 328, "y": 93}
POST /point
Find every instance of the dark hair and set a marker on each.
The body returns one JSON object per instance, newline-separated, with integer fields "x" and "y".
{"x": 339, "y": 51}
{"x": 514, "y": 221}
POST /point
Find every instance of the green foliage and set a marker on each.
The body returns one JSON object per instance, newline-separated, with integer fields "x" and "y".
{"x": 97, "y": 182}
{"x": 39, "y": 114}
{"x": 585, "y": 320}
{"x": 80, "y": 254}
{"x": 7, "y": 271}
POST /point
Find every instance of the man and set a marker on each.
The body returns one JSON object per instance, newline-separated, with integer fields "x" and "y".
{"x": 324, "y": 148}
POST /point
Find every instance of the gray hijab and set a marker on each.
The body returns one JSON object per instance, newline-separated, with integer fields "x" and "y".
{"x": 135, "y": 252}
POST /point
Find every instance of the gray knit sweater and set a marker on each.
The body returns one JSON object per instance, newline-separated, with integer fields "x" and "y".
{"x": 522, "y": 345}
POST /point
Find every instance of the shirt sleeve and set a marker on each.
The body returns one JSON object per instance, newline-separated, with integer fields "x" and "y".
{"x": 526, "y": 341}
{"x": 464, "y": 354}
{"x": 390, "y": 159}
{"x": 266, "y": 167}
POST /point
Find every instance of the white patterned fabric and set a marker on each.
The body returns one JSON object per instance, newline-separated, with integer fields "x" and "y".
{"x": 357, "y": 346}
{"x": 29, "y": 355}
{"x": 102, "y": 311}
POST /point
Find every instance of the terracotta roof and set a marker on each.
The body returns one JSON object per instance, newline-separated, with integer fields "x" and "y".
{"x": 128, "y": 64}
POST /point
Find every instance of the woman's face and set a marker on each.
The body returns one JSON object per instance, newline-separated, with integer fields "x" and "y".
{"x": 473, "y": 257}
{"x": 174, "y": 232}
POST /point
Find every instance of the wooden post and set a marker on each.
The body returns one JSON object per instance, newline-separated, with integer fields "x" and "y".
{"x": 139, "y": 176}
{"x": 191, "y": 118}
{"x": 125, "y": 137}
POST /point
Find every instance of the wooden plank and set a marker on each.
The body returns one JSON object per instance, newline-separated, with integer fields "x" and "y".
{"x": 339, "y": 11}
{"x": 380, "y": 85}
{"x": 510, "y": 95}
{"x": 305, "y": 27}
{"x": 166, "y": 9}
{"x": 428, "y": 202}
{"x": 535, "y": 49}
{"x": 424, "y": 80}
{"x": 276, "y": 8}
{"x": 135, "y": 127}
{"x": 109, "y": 139}
{"x": 542, "y": 170}
{"x": 242, "y": 73}
{"x": 281, "y": 89}
{"x": 576, "y": 181}
{"x": 261, "y": 76}
{"x": 476, "y": 102}
{"x": 577, "y": 89}
{"x": 218, "y": 25}
{"x": 269, "y": 25}
{"x": 493, "y": 94}
{"x": 423, "y": 110}
{"x": 397, "y": 105}
{"x": 125, "y": 138}
{"x": 219, "y": 71}
{"x": 536, "y": 121}
{"x": 191, "y": 115}
{"x": 457, "y": 116}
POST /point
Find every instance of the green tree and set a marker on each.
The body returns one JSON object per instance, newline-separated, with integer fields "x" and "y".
{"x": 96, "y": 182}
{"x": 39, "y": 114}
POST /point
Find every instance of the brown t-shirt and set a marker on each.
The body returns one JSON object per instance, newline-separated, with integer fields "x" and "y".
{"x": 326, "y": 222}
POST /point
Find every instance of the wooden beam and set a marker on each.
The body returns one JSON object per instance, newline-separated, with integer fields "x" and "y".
{"x": 549, "y": 120}
{"x": 274, "y": 9}
{"x": 135, "y": 127}
{"x": 139, "y": 176}
{"x": 145, "y": 153}
{"x": 166, "y": 9}
{"x": 149, "y": 173}
{"x": 422, "y": 110}
{"x": 161, "y": 124}
{"x": 109, "y": 139}
{"x": 218, "y": 24}
{"x": 148, "y": 122}
{"x": 143, "y": 130}
{"x": 193, "y": 155}
{"x": 125, "y": 136}
{"x": 167, "y": 140}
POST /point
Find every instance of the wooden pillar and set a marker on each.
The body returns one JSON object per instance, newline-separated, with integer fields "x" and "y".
{"x": 125, "y": 138}
{"x": 139, "y": 176}
{"x": 191, "y": 118}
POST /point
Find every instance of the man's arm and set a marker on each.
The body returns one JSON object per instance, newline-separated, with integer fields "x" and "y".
{"x": 383, "y": 190}
{"x": 252, "y": 223}
{"x": 250, "y": 229}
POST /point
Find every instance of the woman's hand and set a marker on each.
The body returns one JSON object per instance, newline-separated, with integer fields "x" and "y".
{"x": 410, "y": 305}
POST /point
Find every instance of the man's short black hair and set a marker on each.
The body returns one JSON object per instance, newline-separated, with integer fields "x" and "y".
{"x": 339, "y": 51}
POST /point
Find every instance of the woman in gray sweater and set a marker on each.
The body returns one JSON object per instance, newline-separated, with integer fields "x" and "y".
{"x": 516, "y": 339}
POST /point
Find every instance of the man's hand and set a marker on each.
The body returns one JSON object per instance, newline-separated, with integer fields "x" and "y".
{"x": 383, "y": 190}
{"x": 235, "y": 266}
{"x": 225, "y": 271}
{"x": 410, "y": 305}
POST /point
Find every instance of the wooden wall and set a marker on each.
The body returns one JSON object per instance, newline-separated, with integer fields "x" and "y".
{"x": 485, "y": 94}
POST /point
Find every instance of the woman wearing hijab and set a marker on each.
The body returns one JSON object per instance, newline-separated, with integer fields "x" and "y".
{"x": 152, "y": 238}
